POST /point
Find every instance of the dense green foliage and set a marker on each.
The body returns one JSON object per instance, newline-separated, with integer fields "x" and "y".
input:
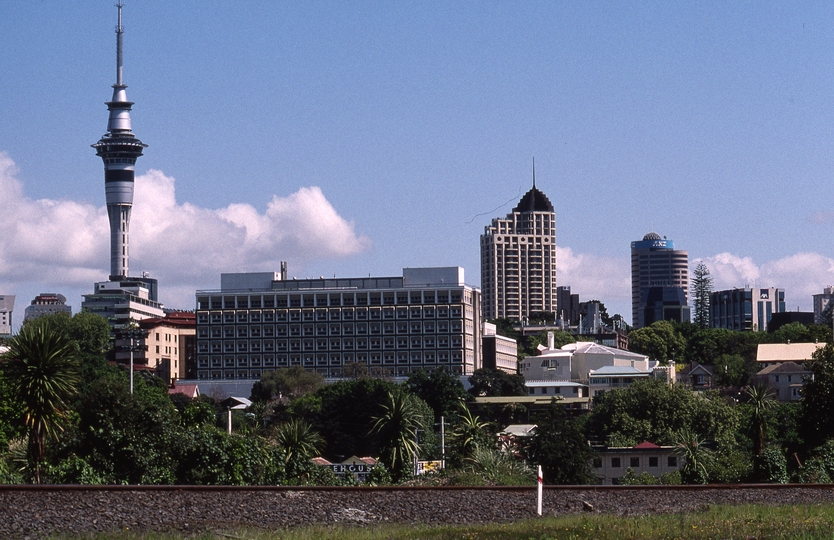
{"x": 289, "y": 383}
{"x": 494, "y": 382}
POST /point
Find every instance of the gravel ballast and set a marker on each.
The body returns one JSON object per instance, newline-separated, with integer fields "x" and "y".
{"x": 36, "y": 511}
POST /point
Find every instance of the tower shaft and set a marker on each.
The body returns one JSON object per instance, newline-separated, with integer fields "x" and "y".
{"x": 119, "y": 149}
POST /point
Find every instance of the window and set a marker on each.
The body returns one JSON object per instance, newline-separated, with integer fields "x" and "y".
{"x": 615, "y": 462}
{"x": 634, "y": 462}
{"x": 672, "y": 461}
{"x": 597, "y": 462}
{"x": 653, "y": 461}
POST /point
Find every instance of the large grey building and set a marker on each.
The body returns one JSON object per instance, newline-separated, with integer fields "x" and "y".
{"x": 46, "y": 304}
{"x": 6, "y": 310}
{"x": 256, "y": 322}
{"x": 518, "y": 260}
{"x": 748, "y": 309}
{"x": 659, "y": 281}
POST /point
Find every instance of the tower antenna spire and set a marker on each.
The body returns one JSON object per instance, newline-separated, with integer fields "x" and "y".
{"x": 534, "y": 171}
{"x": 119, "y": 33}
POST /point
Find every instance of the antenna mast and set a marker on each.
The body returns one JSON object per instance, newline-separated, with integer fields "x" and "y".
{"x": 534, "y": 171}
{"x": 119, "y": 33}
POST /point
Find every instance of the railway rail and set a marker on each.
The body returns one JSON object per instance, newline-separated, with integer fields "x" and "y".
{"x": 34, "y": 511}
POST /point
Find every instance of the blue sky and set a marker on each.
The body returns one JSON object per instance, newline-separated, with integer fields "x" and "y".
{"x": 356, "y": 138}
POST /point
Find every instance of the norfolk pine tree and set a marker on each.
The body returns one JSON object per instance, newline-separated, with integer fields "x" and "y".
{"x": 701, "y": 289}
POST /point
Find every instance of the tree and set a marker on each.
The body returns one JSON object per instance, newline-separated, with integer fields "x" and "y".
{"x": 817, "y": 417}
{"x": 290, "y": 383}
{"x": 659, "y": 341}
{"x": 730, "y": 370}
{"x": 650, "y": 410}
{"x": 396, "y": 427}
{"x": 469, "y": 432}
{"x": 42, "y": 371}
{"x": 494, "y": 382}
{"x": 298, "y": 441}
{"x": 701, "y": 289}
{"x": 761, "y": 399}
{"x": 697, "y": 457}
{"x": 439, "y": 388}
{"x": 561, "y": 448}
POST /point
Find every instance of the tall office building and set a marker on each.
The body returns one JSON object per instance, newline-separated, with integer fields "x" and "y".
{"x": 821, "y": 302}
{"x": 6, "y": 309}
{"x": 748, "y": 309}
{"x": 123, "y": 298}
{"x": 46, "y": 304}
{"x": 659, "y": 281}
{"x": 518, "y": 260}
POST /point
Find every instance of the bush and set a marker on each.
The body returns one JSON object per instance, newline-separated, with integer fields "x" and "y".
{"x": 633, "y": 479}
{"x": 770, "y": 466}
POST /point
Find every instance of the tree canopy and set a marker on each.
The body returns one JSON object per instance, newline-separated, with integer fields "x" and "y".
{"x": 494, "y": 382}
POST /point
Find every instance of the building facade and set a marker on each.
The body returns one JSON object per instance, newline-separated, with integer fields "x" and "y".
{"x": 659, "y": 281}
{"x": 6, "y": 310}
{"x": 746, "y": 310}
{"x": 821, "y": 302}
{"x": 518, "y": 260}
{"x": 46, "y": 304}
{"x": 426, "y": 319}
{"x": 499, "y": 352}
{"x": 171, "y": 344}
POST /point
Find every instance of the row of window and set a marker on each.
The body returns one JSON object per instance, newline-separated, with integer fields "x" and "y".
{"x": 330, "y": 359}
{"x": 338, "y": 329}
{"x": 331, "y": 344}
{"x": 250, "y": 374}
{"x": 319, "y": 315}
{"x": 634, "y": 462}
{"x": 335, "y": 299}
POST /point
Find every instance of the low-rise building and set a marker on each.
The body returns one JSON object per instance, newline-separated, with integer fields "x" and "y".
{"x": 779, "y": 353}
{"x": 612, "y": 463}
{"x": 786, "y": 380}
{"x": 559, "y": 389}
{"x": 696, "y": 376}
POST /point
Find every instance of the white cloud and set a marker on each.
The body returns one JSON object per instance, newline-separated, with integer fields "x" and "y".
{"x": 596, "y": 278}
{"x": 58, "y": 245}
{"x": 801, "y": 275}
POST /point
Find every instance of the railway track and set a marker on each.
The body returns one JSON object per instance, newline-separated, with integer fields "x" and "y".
{"x": 41, "y": 510}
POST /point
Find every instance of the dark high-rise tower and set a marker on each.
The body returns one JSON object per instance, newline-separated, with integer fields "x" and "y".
{"x": 119, "y": 149}
{"x": 659, "y": 281}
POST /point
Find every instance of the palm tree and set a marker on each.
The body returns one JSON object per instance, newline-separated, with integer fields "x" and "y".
{"x": 469, "y": 432}
{"x": 697, "y": 457}
{"x": 762, "y": 399}
{"x": 43, "y": 372}
{"x": 298, "y": 440}
{"x": 396, "y": 425}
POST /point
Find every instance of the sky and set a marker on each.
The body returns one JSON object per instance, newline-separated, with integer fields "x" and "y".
{"x": 359, "y": 138}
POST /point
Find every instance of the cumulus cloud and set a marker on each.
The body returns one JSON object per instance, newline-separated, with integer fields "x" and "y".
{"x": 801, "y": 275}
{"x": 58, "y": 244}
{"x": 593, "y": 277}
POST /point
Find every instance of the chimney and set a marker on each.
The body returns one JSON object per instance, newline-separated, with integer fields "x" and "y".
{"x": 551, "y": 341}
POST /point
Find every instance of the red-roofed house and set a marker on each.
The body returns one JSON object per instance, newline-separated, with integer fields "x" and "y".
{"x": 190, "y": 390}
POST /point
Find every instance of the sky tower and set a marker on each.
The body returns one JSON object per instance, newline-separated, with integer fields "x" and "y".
{"x": 119, "y": 148}
{"x": 123, "y": 299}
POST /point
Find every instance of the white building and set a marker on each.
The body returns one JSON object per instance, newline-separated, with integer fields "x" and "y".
{"x": 518, "y": 260}
{"x": 574, "y": 361}
{"x": 500, "y": 352}
{"x": 123, "y": 301}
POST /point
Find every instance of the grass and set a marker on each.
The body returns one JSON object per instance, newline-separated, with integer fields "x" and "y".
{"x": 725, "y": 522}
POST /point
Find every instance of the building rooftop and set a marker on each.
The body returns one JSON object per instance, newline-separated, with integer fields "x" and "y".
{"x": 786, "y": 352}
{"x": 534, "y": 201}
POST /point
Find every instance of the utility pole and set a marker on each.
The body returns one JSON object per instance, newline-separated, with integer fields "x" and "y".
{"x": 442, "y": 442}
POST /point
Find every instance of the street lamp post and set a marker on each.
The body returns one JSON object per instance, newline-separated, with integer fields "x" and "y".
{"x": 135, "y": 338}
